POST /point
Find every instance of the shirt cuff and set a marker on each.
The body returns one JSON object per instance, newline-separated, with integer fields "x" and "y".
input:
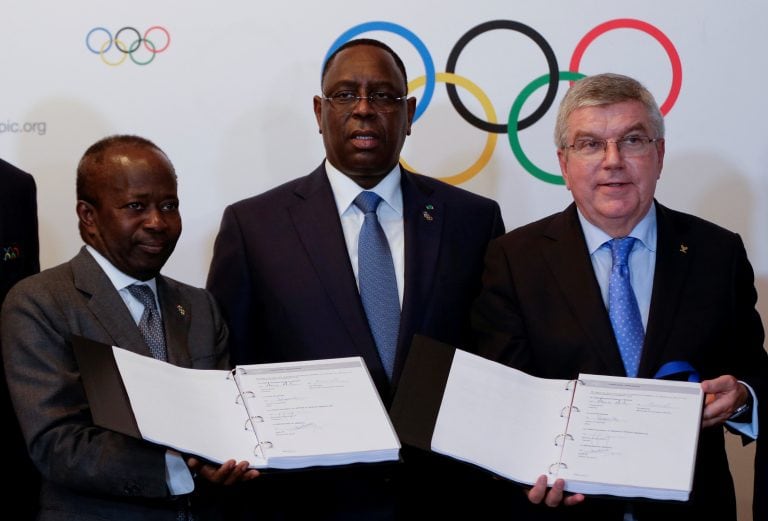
{"x": 747, "y": 428}
{"x": 177, "y": 474}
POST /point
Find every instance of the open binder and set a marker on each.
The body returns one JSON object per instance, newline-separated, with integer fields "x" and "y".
{"x": 628, "y": 437}
{"x": 284, "y": 415}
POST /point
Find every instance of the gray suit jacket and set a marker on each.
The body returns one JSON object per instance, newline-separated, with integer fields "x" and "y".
{"x": 88, "y": 472}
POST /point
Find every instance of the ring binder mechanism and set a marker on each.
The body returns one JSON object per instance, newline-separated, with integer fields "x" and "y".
{"x": 246, "y": 394}
{"x": 253, "y": 419}
{"x": 568, "y": 408}
{"x": 611, "y": 434}
{"x": 555, "y": 467}
{"x": 575, "y": 381}
{"x": 563, "y": 436}
{"x": 293, "y": 414}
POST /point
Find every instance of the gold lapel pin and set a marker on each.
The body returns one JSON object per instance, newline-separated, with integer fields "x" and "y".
{"x": 181, "y": 310}
{"x": 683, "y": 248}
{"x": 426, "y": 214}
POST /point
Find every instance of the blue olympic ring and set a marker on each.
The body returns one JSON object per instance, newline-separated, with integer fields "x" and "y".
{"x": 429, "y": 66}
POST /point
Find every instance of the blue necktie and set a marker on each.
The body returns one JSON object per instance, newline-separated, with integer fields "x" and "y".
{"x": 622, "y": 306}
{"x": 378, "y": 285}
{"x": 150, "y": 323}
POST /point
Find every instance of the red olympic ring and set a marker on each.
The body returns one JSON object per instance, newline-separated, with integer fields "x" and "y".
{"x": 167, "y": 38}
{"x": 629, "y": 23}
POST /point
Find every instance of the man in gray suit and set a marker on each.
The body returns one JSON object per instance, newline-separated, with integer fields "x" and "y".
{"x": 129, "y": 219}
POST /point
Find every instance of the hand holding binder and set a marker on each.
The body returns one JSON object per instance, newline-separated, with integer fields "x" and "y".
{"x": 629, "y": 437}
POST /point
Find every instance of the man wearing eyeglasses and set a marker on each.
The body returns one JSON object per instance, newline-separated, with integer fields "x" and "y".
{"x": 618, "y": 284}
{"x": 299, "y": 270}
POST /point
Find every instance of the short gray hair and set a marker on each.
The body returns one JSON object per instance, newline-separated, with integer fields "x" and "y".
{"x": 605, "y": 89}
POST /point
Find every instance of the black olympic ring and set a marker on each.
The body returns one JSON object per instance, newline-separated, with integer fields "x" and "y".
{"x": 539, "y": 40}
{"x": 134, "y": 46}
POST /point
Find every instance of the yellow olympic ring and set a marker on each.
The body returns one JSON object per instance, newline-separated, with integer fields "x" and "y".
{"x": 104, "y": 57}
{"x": 490, "y": 115}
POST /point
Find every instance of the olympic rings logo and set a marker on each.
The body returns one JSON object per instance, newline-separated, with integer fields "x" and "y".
{"x": 100, "y": 41}
{"x": 514, "y": 125}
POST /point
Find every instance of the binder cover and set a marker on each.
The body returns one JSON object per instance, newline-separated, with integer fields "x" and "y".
{"x": 104, "y": 387}
{"x": 420, "y": 391}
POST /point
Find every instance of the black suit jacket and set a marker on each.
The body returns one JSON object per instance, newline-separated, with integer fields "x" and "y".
{"x": 282, "y": 275}
{"x": 541, "y": 311}
{"x": 19, "y": 258}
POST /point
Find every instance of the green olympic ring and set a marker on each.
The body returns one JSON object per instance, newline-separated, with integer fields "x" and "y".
{"x": 512, "y": 132}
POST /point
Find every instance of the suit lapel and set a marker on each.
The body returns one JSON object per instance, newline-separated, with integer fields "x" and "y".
{"x": 567, "y": 257}
{"x": 423, "y": 221}
{"x": 317, "y": 223}
{"x": 176, "y": 318}
{"x": 106, "y": 304}
{"x": 672, "y": 261}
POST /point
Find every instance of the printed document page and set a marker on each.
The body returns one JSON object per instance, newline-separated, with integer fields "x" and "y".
{"x": 633, "y": 437}
{"x": 318, "y": 412}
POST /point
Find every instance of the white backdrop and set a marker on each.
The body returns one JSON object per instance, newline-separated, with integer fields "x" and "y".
{"x": 229, "y": 99}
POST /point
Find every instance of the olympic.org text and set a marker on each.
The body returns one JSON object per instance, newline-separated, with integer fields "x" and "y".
{"x": 27, "y": 127}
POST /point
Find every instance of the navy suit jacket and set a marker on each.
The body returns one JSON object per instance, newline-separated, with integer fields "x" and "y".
{"x": 19, "y": 258}
{"x": 541, "y": 311}
{"x": 282, "y": 275}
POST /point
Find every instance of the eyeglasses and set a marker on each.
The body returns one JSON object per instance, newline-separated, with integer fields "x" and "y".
{"x": 628, "y": 146}
{"x": 381, "y": 102}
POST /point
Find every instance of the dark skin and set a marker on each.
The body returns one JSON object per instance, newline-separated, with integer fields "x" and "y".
{"x": 134, "y": 222}
{"x": 362, "y": 143}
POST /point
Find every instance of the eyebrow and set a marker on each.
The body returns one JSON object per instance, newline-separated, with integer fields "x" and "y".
{"x": 632, "y": 128}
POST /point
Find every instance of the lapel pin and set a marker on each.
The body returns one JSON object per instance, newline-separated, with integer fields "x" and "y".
{"x": 181, "y": 310}
{"x": 683, "y": 248}
{"x": 426, "y": 214}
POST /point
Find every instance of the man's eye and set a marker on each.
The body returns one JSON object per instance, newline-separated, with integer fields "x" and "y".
{"x": 171, "y": 206}
{"x": 633, "y": 140}
{"x": 135, "y": 206}
{"x": 588, "y": 144}
{"x": 382, "y": 96}
{"x": 345, "y": 95}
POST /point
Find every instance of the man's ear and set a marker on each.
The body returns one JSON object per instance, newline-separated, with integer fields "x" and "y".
{"x": 86, "y": 214}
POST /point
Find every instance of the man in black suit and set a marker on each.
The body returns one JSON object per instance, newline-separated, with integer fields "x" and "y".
{"x": 285, "y": 263}
{"x": 549, "y": 288}
{"x": 19, "y": 258}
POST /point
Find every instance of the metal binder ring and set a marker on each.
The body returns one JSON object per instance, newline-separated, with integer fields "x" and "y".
{"x": 248, "y": 394}
{"x": 564, "y": 436}
{"x": 252, "y": 419}
{"x": 263, "y": 445}
{"x": 557, "y": 466}
{"x": 575, "y": 380}
{"x": 568, "y": 408}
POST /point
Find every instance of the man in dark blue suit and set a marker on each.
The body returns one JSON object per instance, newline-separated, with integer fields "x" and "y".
{"x": 285, "y": 263}
{"x": 19, "y": 258}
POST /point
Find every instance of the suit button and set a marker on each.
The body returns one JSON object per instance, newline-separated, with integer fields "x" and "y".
{"x": 131, "y": 490}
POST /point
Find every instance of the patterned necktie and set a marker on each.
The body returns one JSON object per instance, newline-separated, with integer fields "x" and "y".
{"x": 378, "y": 285}
{"x": 150, "y": 324}
{"x": 622, "y": 306}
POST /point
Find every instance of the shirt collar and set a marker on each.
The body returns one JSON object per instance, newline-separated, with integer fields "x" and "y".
{"x": 345, "y": 189}
{"x": 118, "y": 279}
{"x": 644, "y": 231}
